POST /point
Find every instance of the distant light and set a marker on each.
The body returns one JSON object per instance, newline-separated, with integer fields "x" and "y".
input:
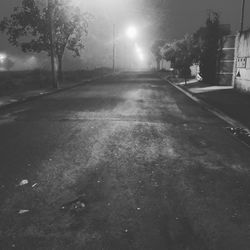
{"x": 138, "y": 49}
{"x": 141, "y": 57}
{"x": 2, "y": 57}
{"x": 139, "y": 53}
{"x": 131, "y": 32}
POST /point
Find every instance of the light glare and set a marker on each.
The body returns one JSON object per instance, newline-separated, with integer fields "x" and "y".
{"x": 139, "y": 53}
{"x": 2, "y": 57}
{"x": 131, "y": 32}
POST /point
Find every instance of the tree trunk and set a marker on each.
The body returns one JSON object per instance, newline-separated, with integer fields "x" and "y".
{"x": 158, "y": 65}
{"x": 52, "y": 52}
{"x": 60, "y": 72}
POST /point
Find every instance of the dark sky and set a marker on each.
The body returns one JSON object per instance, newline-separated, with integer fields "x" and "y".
{"x": 166, "y": 19}
{"x": 190, "y": 14}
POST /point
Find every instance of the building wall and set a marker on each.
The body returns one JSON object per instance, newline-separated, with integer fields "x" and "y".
{"x": 242, "y": 62}
{"x": 226, "y": 61}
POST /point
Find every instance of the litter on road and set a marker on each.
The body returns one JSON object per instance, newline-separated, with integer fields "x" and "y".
{"x": 34, "y": 185}
{"x": 23, "y": 182}
{"x": 241, "y": 133}
{"x": 78, "y": 205}
{"x": 23, "y": 211}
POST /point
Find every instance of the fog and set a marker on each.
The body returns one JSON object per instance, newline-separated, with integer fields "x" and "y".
{"x": 162, "y": 19}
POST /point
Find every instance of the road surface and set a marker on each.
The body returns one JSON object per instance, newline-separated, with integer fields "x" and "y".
{"x": 127, "y": 162}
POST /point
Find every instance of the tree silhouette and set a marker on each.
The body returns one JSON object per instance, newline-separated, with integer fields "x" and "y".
{"x": 28, "y": 27}
{"x": 182, "y": 54}
{"x": 207, "y": 38}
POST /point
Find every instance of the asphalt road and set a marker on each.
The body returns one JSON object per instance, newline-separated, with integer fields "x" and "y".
{"x": 151, "y": 170}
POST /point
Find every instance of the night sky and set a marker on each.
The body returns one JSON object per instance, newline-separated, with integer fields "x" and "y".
{"x": 166, "y": 19}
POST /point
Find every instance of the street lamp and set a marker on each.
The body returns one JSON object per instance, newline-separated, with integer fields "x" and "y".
{"x": 139, "y": 53}
{"x": 131, "y": 32}
{"x": 114, "y": 38}
{"x": 2, "y": 57}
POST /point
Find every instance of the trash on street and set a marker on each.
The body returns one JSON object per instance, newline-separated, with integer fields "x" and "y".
{"x": 78, "y": 205}
{"x": 23, "y": 211}
{"x": 23, "y": 182}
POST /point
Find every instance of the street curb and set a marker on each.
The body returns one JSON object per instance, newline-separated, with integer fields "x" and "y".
{"x": 209, "y": 107}
{"x": 51, "y": 92}
{"x": 232, "y": 122}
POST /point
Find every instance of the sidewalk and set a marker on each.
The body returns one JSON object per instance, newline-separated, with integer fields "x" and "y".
{"x": 225, "y": 99}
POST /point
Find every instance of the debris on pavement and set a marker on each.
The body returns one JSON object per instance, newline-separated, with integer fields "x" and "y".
{"x": 78, "y": 205}
{"x": 34, "y": 185}
{"x": 23, "y": 211}
{"x": 23, "y": 182}
{"x": 241, "y": 133}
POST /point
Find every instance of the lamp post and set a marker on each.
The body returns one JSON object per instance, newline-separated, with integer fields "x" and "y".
{"x": 52, "y": 52}
{"x": 131, "y": 33}
{"x": 242, "y": 15}
{"x": 114, "y": 38}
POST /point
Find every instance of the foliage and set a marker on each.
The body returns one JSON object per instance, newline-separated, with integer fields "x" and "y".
{"x": 29, "y": 25}
{"x": 202, "y": 47}
{"x": 207, "y": 39}
{"x": 182, "y": 54}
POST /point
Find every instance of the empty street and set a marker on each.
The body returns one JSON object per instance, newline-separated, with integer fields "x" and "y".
{"x": 126, "y": 162}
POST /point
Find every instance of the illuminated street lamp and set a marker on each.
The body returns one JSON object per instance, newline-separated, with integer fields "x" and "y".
{"x": 139, "y": 53}
{"x": 131, "y": 32}
{"x": 2, "y": 57}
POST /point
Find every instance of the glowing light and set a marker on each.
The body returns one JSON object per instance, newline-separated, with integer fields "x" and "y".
{"x": 2, "y": 57}
{"x": 139, "y": 53}
{"x": 141, "y": 57}
{"x": 131, "y": 32}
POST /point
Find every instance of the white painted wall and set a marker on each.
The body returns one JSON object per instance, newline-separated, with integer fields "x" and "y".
{"x": 242, "y": 65}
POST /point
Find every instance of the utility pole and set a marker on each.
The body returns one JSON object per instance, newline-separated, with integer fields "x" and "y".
{"x": 242, "y": 16}
{"x": 114, "y": 38}
{"x": 52, "y": 52}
